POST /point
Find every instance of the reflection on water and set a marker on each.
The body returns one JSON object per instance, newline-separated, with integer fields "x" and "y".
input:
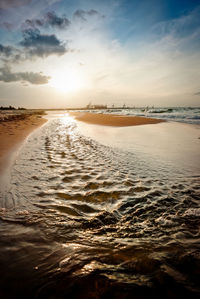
{"x": 85, "y": 220}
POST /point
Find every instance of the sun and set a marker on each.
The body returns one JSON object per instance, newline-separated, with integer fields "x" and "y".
{"x": 67, "y": 81}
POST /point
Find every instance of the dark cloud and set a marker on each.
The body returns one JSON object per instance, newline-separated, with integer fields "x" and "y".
{"x": 29, "y": 23}
{"x": 197, "y": 93}
{"x": 53, "y": 20}
{"x": 50, "y": 19}
{"x": 34, "y": 78}
{"x": 92, "y": 12}
{"x": 6, "y": 50}
{"x": 34, "y": 45}
{"x": 10, "y": 54}
{"x": 42, "y": 45}
{"x": 5, "y": 4}
{"x": 80, "y": 14}
{"x": 83, "y": 14}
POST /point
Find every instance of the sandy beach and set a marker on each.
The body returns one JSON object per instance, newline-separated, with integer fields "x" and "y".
{"x": 113, "y": 120}
{"x": 13, "y": 131}
{"x": 87, "y": 209}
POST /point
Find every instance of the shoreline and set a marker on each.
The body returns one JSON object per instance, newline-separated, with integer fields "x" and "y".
{"x": 13, "y": 132}
{"x": 114, "y": 120}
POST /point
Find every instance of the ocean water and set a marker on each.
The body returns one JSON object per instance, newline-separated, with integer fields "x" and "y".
{"x": 189, "y": 115}
{"x": 100, "y": 212}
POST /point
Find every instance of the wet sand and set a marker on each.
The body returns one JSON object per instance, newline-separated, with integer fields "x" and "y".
{"x": 113, "y": 120}
{"x": 13, "y": 131}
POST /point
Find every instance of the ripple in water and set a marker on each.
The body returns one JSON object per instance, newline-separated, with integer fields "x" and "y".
{"x": 84, "y": 220}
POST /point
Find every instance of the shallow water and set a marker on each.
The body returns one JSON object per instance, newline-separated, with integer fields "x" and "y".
{"x": 88, "y": 216}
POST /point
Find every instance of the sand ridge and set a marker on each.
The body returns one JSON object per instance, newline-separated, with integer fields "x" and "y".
{"x": 113, "y": 120}
{"x": 13, "y": 132}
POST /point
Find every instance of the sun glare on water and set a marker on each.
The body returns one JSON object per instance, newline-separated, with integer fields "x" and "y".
{"x": 67, "y": 81}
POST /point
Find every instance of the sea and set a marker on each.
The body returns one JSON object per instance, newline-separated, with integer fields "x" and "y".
{"x": 89, "y": 211}
{"x": 189, "y": 115}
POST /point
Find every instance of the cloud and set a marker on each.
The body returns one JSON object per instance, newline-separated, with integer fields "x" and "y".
{"x": 8, "y": 26}
{"x": 182, "y": 27}
{"x": 50, "y": 19}
{"x": 34, "y": 78}
{"x": 92, "y": 12}
{"x": 6, "y": 50}
{"x": 83, "y": 14}
{"x": 197, "y": 93}
{"x": 5, "y": 4}
{"x": 10, "y": 54}
{"x": 53, "y": 20}
{"x": 42, "y": 45}
{"x": 34, "y": 45}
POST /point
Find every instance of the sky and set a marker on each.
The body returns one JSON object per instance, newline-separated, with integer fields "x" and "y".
{"x": 69, "y": 53}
